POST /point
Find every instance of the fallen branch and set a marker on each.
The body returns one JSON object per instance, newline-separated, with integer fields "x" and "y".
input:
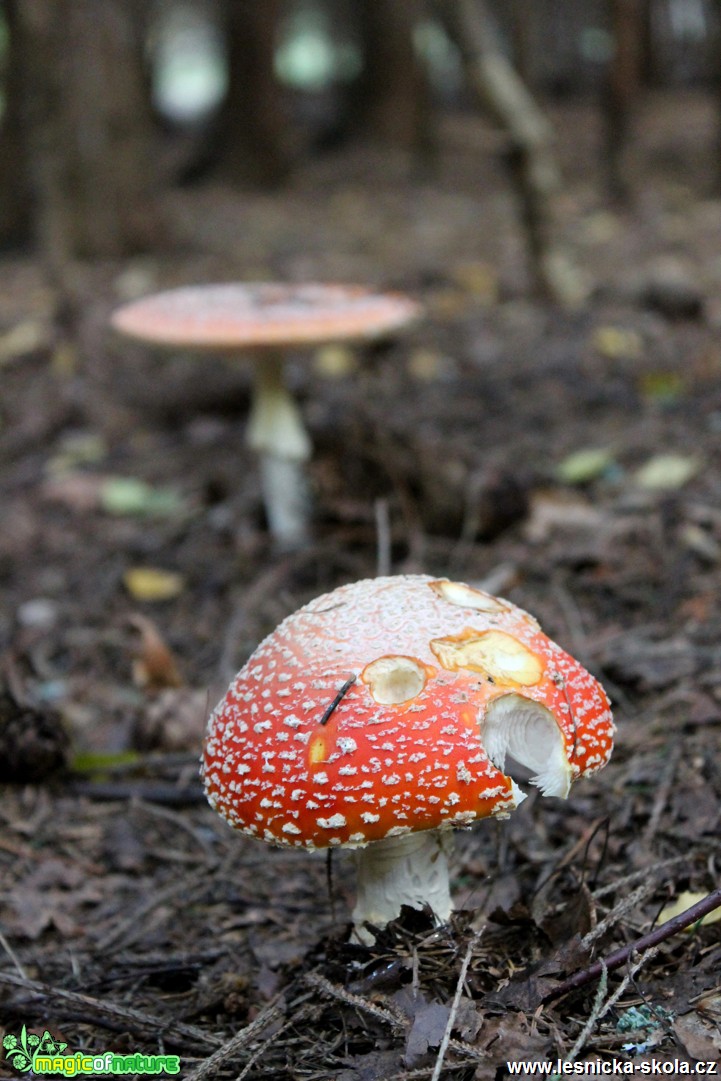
{"x": 112, "y": 1014}
{"x": 501, "y": 92}
{"x": 621, "y": 956}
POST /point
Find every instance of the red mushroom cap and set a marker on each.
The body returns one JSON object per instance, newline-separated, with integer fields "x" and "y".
{"x": 235, "y": 316}
{"x": 430, "y": 672}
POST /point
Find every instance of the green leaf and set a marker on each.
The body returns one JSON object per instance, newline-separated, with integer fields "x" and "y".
{"x": 101, "y": 761}
{"x": 584, "y": 465}
{"x": 667, "y": 471}
{"x": 665, "y": 388}
{"x": 130, "y": 497}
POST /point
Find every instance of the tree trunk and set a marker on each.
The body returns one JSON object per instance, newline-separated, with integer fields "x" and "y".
{"x": 15, "y": 200}
{"x": 87, "y": 125}
{"x": 391, "y": 100}
{"x": 714, "y": 44}
{"x": 251, "y": 140}
{"x": 624, "y": 78}
{"x": 500, "y": 92}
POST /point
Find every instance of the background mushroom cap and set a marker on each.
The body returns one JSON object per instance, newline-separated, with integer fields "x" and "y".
{"x": 403, "y": 748}
{"x": 238, "y": 315}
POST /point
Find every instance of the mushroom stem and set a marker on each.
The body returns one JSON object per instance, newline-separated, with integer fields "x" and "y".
{"x": 278, "y": 436}
{"x": 408, "y": 870}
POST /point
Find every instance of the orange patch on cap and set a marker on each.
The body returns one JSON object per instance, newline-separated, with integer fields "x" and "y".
{"x": 496, "y": 654}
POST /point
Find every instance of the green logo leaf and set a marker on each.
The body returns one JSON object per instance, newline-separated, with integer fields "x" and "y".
{"x": 21, "y": 1050}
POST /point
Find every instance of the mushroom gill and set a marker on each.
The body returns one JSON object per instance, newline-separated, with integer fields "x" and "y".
{"x": 528, "y": 734}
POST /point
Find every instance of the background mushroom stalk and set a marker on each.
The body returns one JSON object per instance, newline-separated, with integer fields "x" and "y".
{"x": 278, "y": 436}
{"x": 408, "y": 870}
{"x": 238, "y": 318}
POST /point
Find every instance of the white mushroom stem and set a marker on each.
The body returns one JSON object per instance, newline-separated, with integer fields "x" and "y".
{"x": 408, "y": 870}
{"x": 278, "y": 436}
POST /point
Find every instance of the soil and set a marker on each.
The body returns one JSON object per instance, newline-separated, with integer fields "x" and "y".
{"x": 569, "y": 459}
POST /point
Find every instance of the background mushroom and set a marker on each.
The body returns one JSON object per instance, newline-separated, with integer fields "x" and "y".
{"x": 262, "y": 320}
{"x": 384, "y": 714}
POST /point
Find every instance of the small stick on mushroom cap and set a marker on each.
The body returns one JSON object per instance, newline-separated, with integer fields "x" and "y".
{"x": 450, "y": 682}
{"x": 267, "y": 318}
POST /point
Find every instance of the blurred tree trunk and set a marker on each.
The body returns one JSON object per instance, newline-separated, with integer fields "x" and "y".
{"x": 628, "y": 26}
{"x": 14, "y": 180}
{"x": 714, "y": 45}
{"x": 391, "y": 102}
{"x": 502, "y": 94}
{"x": 87, "y": 127}
{"x": 523, "y": 40}
{"x": 250, "y": 142}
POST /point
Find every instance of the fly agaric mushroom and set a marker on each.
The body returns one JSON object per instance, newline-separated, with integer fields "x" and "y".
{"x": 268, "y": 319}
{"x": 382, "y": 715}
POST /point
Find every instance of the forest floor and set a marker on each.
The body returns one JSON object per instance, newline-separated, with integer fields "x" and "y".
{"x": 567, "y": 459}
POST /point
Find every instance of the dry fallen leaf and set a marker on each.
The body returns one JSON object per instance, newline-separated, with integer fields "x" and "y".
{"x": 426, "y": 365}
{"x": 78, "y": 491}
{"x": 335, "y": 362}
{"x": 154, "y": 666}
{"x": 77, "y": 449}
{"x": 478, "y": 278}
{"x": 24, "y": 338}
{"x": 686, "y": 900}
{"x": 617, "y": 343}
{"x": 512, "y": 1036}
{"x": 153, "y": 584}
{"x": 52, "y": 894}
{"x": 427, "y": 1031}
{"x": 701, "y": 1038}
{"x": 558, "y": 511}
{"x": 174, "y": 721}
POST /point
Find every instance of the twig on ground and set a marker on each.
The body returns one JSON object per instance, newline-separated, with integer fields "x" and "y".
{"x": 127, "y": 930}
{"x": 573, "y": 616}
{"x": 238, "y": 642}
{"x": 301, "y": 1016}
{"x": 598, "y": 1005}
{"x": 614, "y": 960}
{"x": 663, "y": 792}
{"x": 13, "y": 957}
{"x": 389, "y": 1017}
{"x": 380, "y": 1013}
{"x": 624, "y": 906}
{"x": 110, "y": 1014}
{"x": 241, "y": 1039}
{"x": 383, "y": 538}
{"x": 180, "y": 822}
{"x": 635, "y": 876}
{"x": 163, "y": 792}
{"x": 601, "y": 1004}
{"x": 454, "y": 1007}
